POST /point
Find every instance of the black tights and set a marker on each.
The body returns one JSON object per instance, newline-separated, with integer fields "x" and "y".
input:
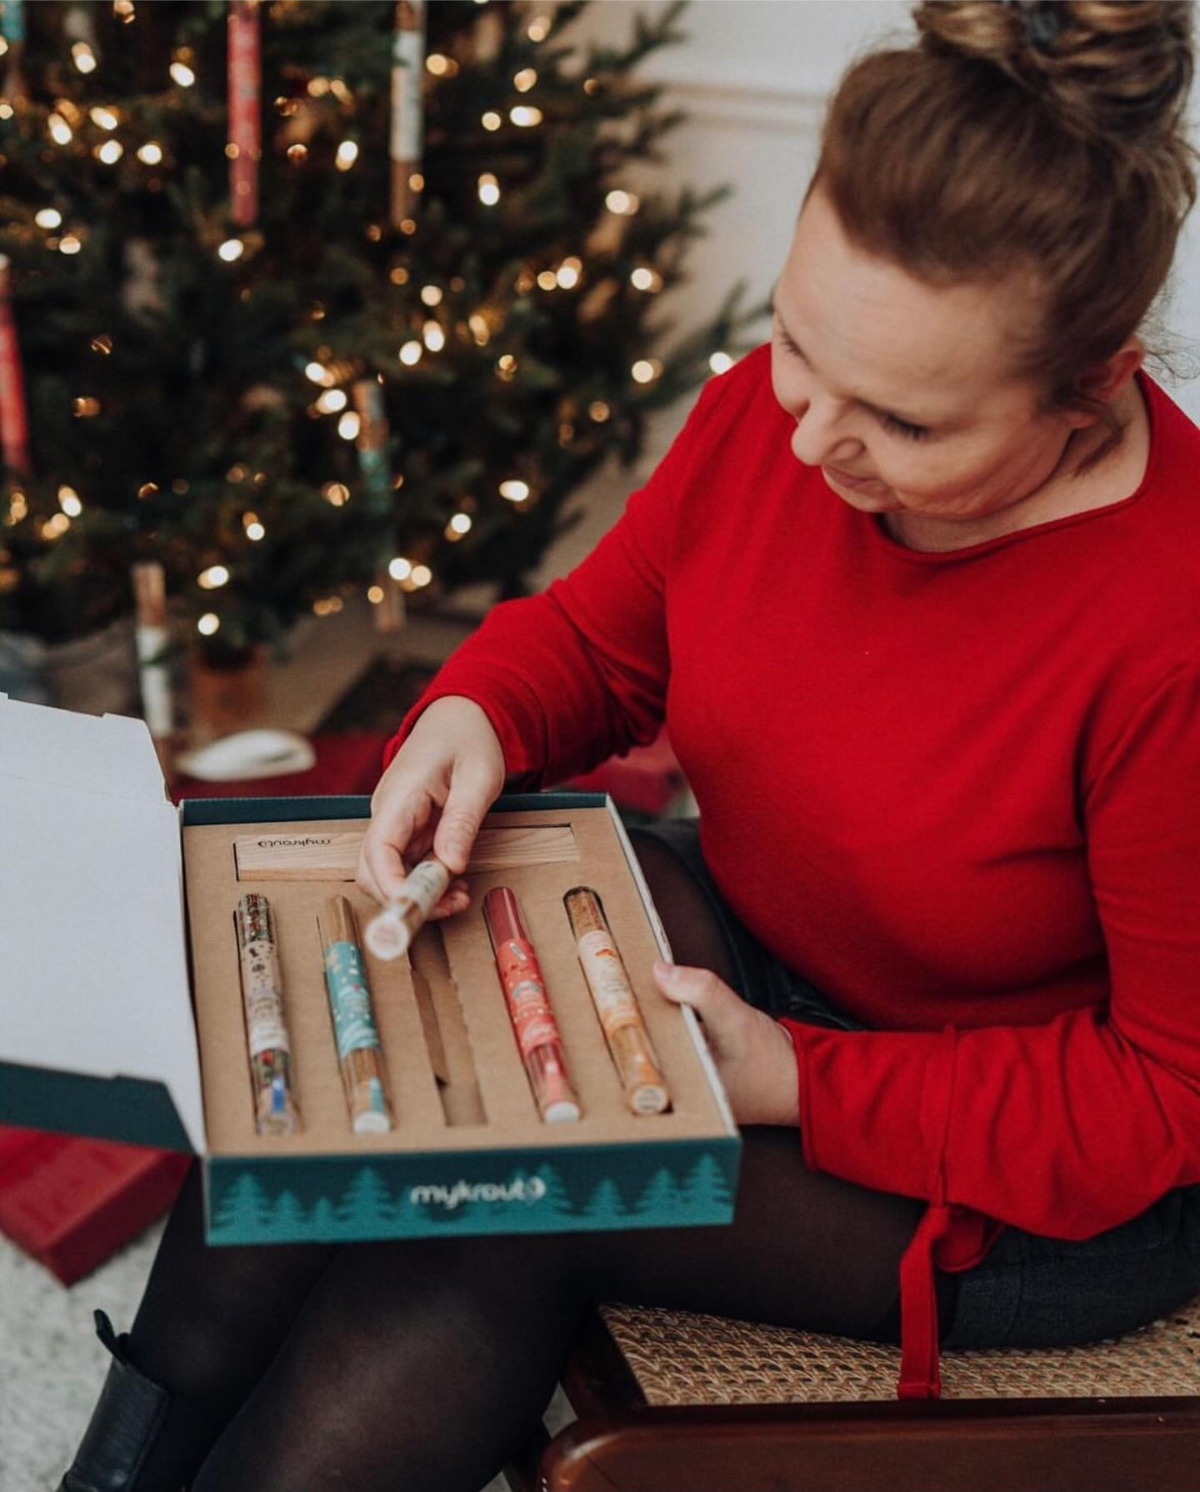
{"x": 426, "y": 1363}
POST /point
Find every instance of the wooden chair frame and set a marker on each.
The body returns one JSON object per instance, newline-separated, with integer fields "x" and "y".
{"x": 620, "y": 1443}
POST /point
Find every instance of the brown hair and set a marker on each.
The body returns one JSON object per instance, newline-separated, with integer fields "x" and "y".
{"x": 1040, "y": 136}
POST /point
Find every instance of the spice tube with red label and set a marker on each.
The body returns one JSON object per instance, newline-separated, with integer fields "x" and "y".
{"x": 533, "y": 1021}
{"x": 616, "y": 1004}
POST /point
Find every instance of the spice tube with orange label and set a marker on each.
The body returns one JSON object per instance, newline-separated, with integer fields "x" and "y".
{"x": 533, "y": 1021}
{"x": 616, "y": 1004}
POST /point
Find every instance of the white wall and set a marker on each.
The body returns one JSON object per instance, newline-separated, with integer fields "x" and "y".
{"x": 753, "y": 76}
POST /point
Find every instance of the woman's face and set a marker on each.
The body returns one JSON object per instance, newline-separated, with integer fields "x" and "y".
{"x": 903, "y": 393}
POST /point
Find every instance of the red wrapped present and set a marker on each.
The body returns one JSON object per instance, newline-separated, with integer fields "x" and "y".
{"x": 72, "y": 1202}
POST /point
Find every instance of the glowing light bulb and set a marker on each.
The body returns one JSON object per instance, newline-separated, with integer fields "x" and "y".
{"x": 209, "y": 623}
{"x": 599, "y": 411}
{"x": 539, "y": 28}
{"x": 624, "y": 204}
{"x": 150, "y": 153}
{"x": 347, "y": 154}
{"x": 319, "y": 373}
{"x": 435, "y": 337}
{"x": 336, "y": 494}
{"x": 410, "y": 353}
{"x": 60, "y": 131}
{"x": 349, "y": 425}
{"x": 489, "y": 189}
{"x": 525, "y": 80}
{"x": 548, "y": 280}
{"x": 514, "y": 490}
{"x": 375, "y": 594}
{"x": 49, "y": 217}
{"x": 182, "y": 74}
{"x": 431, "y": 295}
{"x": 83, "y": 57}
{"x": 568, "y": 273}
{"x": 479, "y": 329}
{"x": 438, "y": 65}
{"x": 69, "y": 501}
{"x": 421, "y": 575}
{"x": 69, "y": 244}
{"x": 460, "y": 524}
{"x": 105, "y": 118}
{"x": 332, "y": 401}
{"x": 110, "y": 152}
{"x": 491, "y": 120}
{"x": 720, "y": 362}
{"x": 525, "y": 116}
{"x": 646, "y": 370}
{"x": 400, "y": 568}
{"x": 231, "y": 250}
{"x": 646, "y": 279}
{"x": 212, "y": 578}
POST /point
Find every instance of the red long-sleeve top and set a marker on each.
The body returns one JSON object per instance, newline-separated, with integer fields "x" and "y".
{"x": 960, "y": 792}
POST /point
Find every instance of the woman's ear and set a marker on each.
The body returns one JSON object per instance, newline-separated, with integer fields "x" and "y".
{"x": 1109, "y": 378}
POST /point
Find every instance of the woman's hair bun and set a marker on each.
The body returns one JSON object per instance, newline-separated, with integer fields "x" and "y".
{"x": 1115, "y": 70}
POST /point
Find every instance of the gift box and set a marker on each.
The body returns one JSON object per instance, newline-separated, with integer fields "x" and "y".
{"x": 126, "y": 1013}
{"x": 70, "y": 1203}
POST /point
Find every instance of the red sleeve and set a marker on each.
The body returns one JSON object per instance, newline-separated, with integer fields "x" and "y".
{"x": 579, "y": 673}
{"x": 1071, "y": 1127}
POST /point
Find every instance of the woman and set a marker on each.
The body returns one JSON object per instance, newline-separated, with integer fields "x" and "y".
{"x": 916, "y": 591}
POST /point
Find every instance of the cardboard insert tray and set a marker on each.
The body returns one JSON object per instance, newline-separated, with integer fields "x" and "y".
{"x": 126, "y": 1053}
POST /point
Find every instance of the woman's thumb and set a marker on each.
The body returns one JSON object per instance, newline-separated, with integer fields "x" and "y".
{"x": 457, "y": 828}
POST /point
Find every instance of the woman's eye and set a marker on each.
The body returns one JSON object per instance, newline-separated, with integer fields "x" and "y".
{"x": 902, "y": 427}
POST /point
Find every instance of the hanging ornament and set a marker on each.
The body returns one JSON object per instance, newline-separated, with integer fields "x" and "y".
{"x": 12, "y": 28}
{"x": 245, "y": 120}
{"x": 408, "y": 76}
{"x": 14, "y": 424}
{"x": 372, "y": 461}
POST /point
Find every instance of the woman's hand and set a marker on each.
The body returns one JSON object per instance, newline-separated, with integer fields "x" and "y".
{"x": 753, "y": 1053}
{"x": 433, "y": 797}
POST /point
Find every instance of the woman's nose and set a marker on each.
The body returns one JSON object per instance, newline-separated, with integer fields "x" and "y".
{"x": 819, "y": 438}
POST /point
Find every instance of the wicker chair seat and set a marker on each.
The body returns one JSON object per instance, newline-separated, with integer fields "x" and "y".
{"x": 680, "y": 1358}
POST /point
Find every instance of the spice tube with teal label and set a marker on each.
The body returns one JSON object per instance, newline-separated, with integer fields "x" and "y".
{"x": 359, "y": 1049}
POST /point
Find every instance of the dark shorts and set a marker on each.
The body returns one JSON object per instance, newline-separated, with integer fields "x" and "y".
{"x": 1030, "y": 1291}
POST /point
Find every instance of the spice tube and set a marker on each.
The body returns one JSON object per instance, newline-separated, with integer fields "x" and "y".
{"x": 275, "y": 1108}
{"x": 359, "y": 1050}
{"x": 616, "y": 1004}
{"x": 390, "y": 931}
{"x": 533, "y": 1021}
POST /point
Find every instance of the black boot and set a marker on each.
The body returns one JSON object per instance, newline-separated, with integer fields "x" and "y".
{"x": 124, "y": 1425}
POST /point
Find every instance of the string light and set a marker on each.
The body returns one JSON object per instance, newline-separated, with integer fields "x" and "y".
{"x": 398, "y": 275}
{"x": 525, "y": 116}
{"x": 332, "y": 401}
{"x": 124, "y": 9}
{"x": 49, "y": 217}
{"x": 3, "y": 46}
{"x": 237, "y": 473}
{"x": 55, "y": 527}
{"x": 720, "y": 362}
{"x": 491, "y": 120}
{"x": 591, "y": 86}
{"x": 327, "y": 606}
{"x": 213, "y": 578}
{"x": 150, "y": 153}
{"x": 209, "y": 623}
{"x": 435, "y": 337}
{"x": 297, "y": 153}
{"x": 375, "y": 594}
{"x": 421, "y": 575}
{"x": 410, "y": 353}
{"x": 231, "y": 250}
{"x": 83, "y": 57}
{"x": 336, "y": 494}
{"x": 318, "y": 87}
{"x": 459, "y": 525}
{"x": 646, "y": 370}
{"x": 624, "y": 204}
{"x": 69, "y": 501}
{"x": 6, "y": 109}
{"x": 539, "y": 28}
{"x": 514, "y": 490}
{"x": 110, "y": 152}
{"x": 69, "y": 244}
{"x": 182, "y": 74}
{"x": 105, "y": 118}
{"x": 60, "y": 131}
{"x": 547, "y": 280}
{"x": 339, "y": 90}
{"x": 506, "y": 367}
{"x": 437, "y": 64}
{"x": 489, "y": 189}
{"x": 102, "y": 344}
{"x": 85, "y": 408}
{"x": 525, "y": 80}
{"x": 568, "y": 273}
{"x": 349, "y": 425}
{"x": 400, "y": 568}
{"x": 646, "y": 279}
{"x": 480, "y": 329}
{"x": 18, "y": 508}
{"x": 319, "y": 373}
{"x": 416, "y": 181}
{"x": 254, "y": 529}
{"x": 431, "y": 295}
{"x": 599, "y": 411}
{"x": 148, "y": 489}
{"x": 347, "y": 154}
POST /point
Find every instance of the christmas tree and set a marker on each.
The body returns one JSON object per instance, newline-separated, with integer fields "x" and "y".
{"x": 305, "y": 298}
